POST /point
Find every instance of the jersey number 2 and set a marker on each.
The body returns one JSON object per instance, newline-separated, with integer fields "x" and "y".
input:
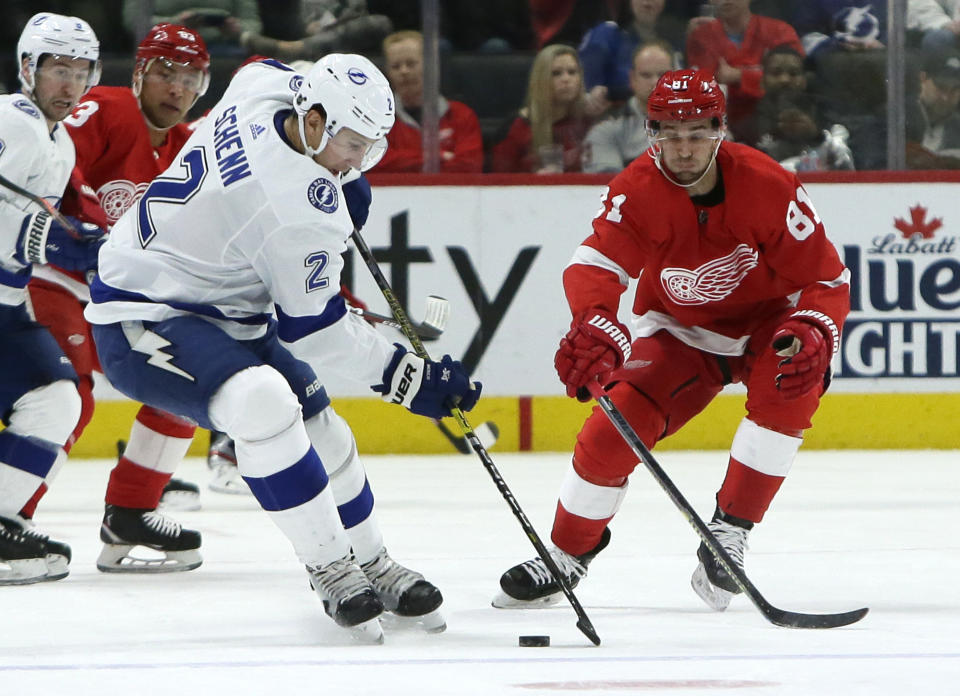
{"x": 170, "y": 190}
{"x": 317, "y": 263}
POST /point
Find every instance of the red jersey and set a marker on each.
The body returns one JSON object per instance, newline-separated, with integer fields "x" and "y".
{"x": 461, "y": 142}
{"x": 709, "y": 42}
{"x": 113, "y": 147}
{"x": 515, "y": 152}
{"x": 710, "y": 274}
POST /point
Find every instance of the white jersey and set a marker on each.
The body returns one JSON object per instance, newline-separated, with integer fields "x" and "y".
{"x": 36, "y": 160}
{"x": 241, "y": 227}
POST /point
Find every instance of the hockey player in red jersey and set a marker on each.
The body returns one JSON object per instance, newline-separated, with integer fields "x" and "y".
{"x": 737, "y": 283}
{"x": 124, "y": 137}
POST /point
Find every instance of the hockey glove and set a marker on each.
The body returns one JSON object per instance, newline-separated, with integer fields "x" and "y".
{"x": 593, "y": 348}
{"x": 43, "y": 239}
{"x": 358, "y": 196}
{"x": 805, "y": 349}
{"x": 426, "y": 387}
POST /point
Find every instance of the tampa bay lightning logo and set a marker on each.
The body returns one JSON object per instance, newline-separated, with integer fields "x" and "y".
{"x": 296, "y": 82}
{"x": 357, "y": 76}
{"x": 27, "y": 107}
{"x": 322, "y": 195}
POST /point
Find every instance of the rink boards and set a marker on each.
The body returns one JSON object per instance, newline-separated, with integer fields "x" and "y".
{"x": 495, "y": 246}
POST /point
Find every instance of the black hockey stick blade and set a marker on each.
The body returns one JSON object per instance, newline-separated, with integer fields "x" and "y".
{"x": 488, "y": 432}
{"x": 779, "y": 617}
{"x": 583, "y": 622}
{"x": 424, "y": 331}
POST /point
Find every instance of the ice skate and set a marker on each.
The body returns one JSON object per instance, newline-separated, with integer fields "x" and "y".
{"x": 222, "y": 462}
{"x": 530, "y": 585}
{"x": 710, "y": 581}
{"x": 126, "y": 528}
{"x": 180, "y": 495}
{"x": 348, "y": 598}
{"x": 28, "y": 556}
{"x": 405, "y": 593}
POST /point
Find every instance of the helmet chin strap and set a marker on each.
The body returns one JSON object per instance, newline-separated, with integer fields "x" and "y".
{"x": 311, "y": 152}
{"x": 665, "y": 171}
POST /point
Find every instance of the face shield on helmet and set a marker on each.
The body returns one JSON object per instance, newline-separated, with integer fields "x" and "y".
{"x": 174, "y": 45}
{"x": 52, "y": 34}
{"x": 355, "y": 96}
{"x": 685, "y": 96}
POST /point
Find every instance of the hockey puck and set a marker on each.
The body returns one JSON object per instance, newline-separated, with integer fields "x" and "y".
{"x": 534, "y": 641}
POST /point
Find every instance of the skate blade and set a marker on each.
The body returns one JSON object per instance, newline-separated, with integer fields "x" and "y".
{"x": 428, "y": 623}
{"x": 116, "y": 558}
{"x": 25, "y": 572}
{"x": 367, "y": 633}
{"x": 229, "y": 482}
{"x": 57, "y": 566}
{"x": 505, "y": 601}
{"x": 180, "y": 500}
{"x": 715, "y": 597}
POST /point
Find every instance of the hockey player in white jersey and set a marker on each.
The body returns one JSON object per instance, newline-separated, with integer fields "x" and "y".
{"x": 250, "y": 222}
{"x": 58, "y": 58}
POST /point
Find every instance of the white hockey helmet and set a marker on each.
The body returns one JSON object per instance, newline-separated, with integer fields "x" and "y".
{"x": 52, "y": 34}
{"x": 355, "y": 95}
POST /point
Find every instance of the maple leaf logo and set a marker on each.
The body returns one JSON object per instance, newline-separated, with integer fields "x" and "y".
{"x": 918, "y": 224}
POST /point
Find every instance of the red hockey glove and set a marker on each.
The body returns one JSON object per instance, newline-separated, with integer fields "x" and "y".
{"x": 596, "y": 346}
{"x": 806, "y": 350}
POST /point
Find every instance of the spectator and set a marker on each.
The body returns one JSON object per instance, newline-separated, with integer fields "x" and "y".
{"x": 331, "y": 26}
{"x": 843, "y": 42}
{"x": 491, "y": 26}
{"x": 825, "y": 25}
{"x": 612, "y": 144}
{"x": 547, "y": 135}
{"x": 608, "y": 49}
{"x": 790, "y": 126}
{"x": 937, "y": 20}
{"x": 220, "y": 23}
{"x": 933, "y": 120}
{"x": 461, "y": 142}
{"x": 732, "y": 47}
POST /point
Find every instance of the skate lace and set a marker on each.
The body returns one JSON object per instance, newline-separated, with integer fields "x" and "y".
{"x": 732, "y": 538}
{"x": 569, "y": 566}
{"x": 389, "y": 577}
{"x": 161, "y": 524}
{"x": 342, "y": 578}
{"x": 21, "y": 529}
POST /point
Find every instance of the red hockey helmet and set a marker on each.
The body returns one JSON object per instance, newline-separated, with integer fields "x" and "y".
{"x": 177, "y": 44}
{"x": 686, "y": 95}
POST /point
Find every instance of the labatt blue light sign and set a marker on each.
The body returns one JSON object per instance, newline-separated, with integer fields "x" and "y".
{"x": 904, "y": 301}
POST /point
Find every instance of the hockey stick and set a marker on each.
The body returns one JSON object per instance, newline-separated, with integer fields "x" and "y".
{"x": 43, "y": 203}
{"x": 430, "y": 329}
{"x": 771, "y": 613}
{"x": 583, "y": 623}
{"x": 488, "y": 433}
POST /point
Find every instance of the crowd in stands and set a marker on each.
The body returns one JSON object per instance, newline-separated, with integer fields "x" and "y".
{"x": 559, "y": 85}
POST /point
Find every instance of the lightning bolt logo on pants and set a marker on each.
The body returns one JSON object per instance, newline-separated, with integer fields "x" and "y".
{"x": 153, "y": 345}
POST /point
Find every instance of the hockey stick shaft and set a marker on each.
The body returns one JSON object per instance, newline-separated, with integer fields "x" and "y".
{"x": 43, "y": 203}
{"x": 583, "y": 623}
{"x": 776, "y": 616}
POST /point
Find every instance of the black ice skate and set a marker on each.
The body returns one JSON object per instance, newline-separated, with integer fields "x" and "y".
{"x": 530, "y": 585}
{"x": 710, "y": 581}
{"x": 222, "y": 462}
{"x": 180, "y": 495}
{"x": 28, "y": 556}
{"x": 125, "y": 528}
{"x": 348, "y": 598}
{"x": 405, "y": 593}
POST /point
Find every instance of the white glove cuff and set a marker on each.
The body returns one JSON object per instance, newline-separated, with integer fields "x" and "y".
{"x": 405, "y": 381}
{"x": 35, "y": 237}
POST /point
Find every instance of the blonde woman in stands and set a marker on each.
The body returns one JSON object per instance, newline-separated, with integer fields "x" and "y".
{"x": 547, "y": 134}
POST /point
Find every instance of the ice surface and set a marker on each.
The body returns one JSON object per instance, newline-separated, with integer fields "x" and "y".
{"x": 849, "y": 529}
